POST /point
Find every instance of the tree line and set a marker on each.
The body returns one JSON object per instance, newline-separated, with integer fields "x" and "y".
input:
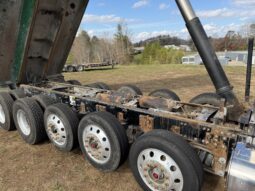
{"x": 88, "y": 49}
{"x": 154, "y": 53}
{"x": 163, "y": 40}
{"x": 119, "y": 49}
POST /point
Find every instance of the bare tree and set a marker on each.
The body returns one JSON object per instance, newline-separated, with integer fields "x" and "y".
{"x": 81, "y": 49}
{"x": 123, "y": 45}
{"x": 117, "y": 49}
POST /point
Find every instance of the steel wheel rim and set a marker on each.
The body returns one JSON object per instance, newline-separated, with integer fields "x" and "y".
{"x": 97, "y": 144}
{"x": 56, "y": 129}
{"x": 23, "y": 122}
{"x": 159, "y": 171}
{"x": 2, "y": 115}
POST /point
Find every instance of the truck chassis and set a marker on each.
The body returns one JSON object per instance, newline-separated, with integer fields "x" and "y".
{"x": 203, "y": 126}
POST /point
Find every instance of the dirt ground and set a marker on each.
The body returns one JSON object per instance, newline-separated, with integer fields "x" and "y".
{"x": 42, "y": 167}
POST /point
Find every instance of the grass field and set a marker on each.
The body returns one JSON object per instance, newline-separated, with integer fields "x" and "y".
{"x": 187, "y": 81}
{"x": 42, "y": 167}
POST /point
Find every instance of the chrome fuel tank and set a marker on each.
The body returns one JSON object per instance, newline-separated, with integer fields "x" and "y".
{"x": 241, "y": 172}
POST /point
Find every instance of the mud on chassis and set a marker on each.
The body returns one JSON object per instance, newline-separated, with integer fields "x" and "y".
{"x": 171, "y": 141}
{"x": 111, "y": 120}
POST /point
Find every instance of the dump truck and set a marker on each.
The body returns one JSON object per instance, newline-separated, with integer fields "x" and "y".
{"x": 169, "y": 143}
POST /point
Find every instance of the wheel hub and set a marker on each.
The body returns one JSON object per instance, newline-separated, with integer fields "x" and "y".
{"x": 23, "y": 122}
{"x": 157, "y": 174}
{"x": 94, "y": 144}
{"x": 159, "y": 171}
{"x": 2, "y": 115}
{"x": 97, "y": 144}
{"x": 56, "y": 129}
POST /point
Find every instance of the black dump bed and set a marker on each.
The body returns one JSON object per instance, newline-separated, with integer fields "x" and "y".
{"x": 36, "y": 37}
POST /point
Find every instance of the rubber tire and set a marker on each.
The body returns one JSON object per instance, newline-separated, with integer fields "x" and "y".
{"x": 7, "y": 102}
{"x": 34, "y": 116}
{"x": 130, "y": 89}
{"x": 44, "y": 101}
{"x": 70, "y": 69}
{"x": 190, "y": 151}
{"x": 79, "y": 68}
{"x": 74, "y": 82}
{"x": 17, "y": 94}
{"x": 70, "y": 121}
{"x": 176, "y": 147}
{"x": 207, "y": 98}
{"x": 99, "y": 85}
{"x": 117, "y": 137}
{"x": 165, "y": 93}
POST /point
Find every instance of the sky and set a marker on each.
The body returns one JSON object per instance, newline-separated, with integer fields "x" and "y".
{"x": 149, "y": 18}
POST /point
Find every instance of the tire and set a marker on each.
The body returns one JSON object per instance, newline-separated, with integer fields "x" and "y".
{"x": 28, "y": 118}
{"x": 116, "y": 147}
{"x": 80, "y": 68}
{"x": 44, "y": 101}
{"x": 10, "y": 85}
{"x": 17, "y": 94}
{"x": 207, "y": 98}
{"x": 171, "y": 149}
{"x": 165, "y": 93}
{"x": 6, "y": 120}
{"x": 60, "y": 119}
{"x": 190, "y": 152}
{"x": 100, "y": 85}
{"x": 70, "y": 69}
{"x": 74, "y": 82}
{"x": 130, "y": 90}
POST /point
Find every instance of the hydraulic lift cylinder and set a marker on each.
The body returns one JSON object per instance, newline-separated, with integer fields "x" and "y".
{"x": 209, "y": 57}
{"x": 249, "y": 69}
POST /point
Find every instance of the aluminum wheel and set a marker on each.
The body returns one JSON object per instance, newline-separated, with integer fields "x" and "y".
{"x": 23, "y": 122}
{"x": 97, "y": 144}
{"x": 56, "y": 129}
{"x": 2, "y": 115}
{"x": 159, "y": 171}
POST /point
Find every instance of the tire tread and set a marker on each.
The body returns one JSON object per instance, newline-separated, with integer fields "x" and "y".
{"x": 8, "y": 101}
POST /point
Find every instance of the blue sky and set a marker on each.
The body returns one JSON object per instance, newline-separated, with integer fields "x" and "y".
{"x": 148, "y": 18}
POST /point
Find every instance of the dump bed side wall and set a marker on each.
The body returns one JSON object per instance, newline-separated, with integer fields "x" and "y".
{"x": 54, "y": 28}
{"x": 45, "y": 31}
{"x": 66, "y": 36}
{"x": 10, "y": 11}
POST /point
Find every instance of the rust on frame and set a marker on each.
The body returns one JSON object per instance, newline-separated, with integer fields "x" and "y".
{"x": 157, "y": 103}
{"x": 110, "y": 98}
{"x": 146, "y": 122}
{"x": 100, "y": 108}
{"x": 121, "y": 117}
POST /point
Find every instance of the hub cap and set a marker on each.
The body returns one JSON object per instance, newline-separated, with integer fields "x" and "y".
{"x": 23, "y": 122}
{"x": 96, "y": 144}
{"x": 159, "y": 171}
{"x": 2, "y": 115}
{"x": 56, "y": 130}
